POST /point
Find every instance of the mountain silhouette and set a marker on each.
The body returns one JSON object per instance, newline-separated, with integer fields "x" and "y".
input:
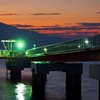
{"x": 11, "y": 32}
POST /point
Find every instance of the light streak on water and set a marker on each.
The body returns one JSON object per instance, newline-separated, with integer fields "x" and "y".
{"x": 20, "y": 91}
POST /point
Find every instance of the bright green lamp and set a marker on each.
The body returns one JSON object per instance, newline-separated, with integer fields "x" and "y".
{"x": 20, "y": 45}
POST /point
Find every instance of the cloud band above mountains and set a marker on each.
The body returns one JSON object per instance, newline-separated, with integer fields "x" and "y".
{"x": 81, "y": 29}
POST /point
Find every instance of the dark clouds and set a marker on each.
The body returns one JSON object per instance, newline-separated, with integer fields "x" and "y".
{"x": 80, "y": 29}
{"x": 8, "y": 14}
{"x": 98, "y": 12}
{"x": 89, "y": 24}
{"x": 22, "y": 26}
{"x": 35, "y": 14}
{"x": 38, "y": 14}
{"x": 58, "y": 28}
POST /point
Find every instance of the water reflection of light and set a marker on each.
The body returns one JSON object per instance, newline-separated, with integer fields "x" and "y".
{"x": 20, "y": 91}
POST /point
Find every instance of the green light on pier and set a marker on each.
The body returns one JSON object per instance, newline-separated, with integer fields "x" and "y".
{"x": 20, "y": 45}
{"x": 45, "y": 50}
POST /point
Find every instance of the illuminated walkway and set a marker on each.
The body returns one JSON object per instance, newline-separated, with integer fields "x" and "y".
{"x": 84, "y": 49}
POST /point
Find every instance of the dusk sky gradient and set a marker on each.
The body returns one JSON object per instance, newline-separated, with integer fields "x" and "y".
{"x": 59, "y": 17}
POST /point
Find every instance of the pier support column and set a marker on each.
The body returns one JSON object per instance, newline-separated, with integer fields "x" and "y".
{"x": 73, "y": 85}
{"x": 73, "y": 76}
{"x": 15, "y": 74}
{"x": 38, "y": 85}
{"x": 16, "y": 66}
{"x": 94, "y": 72}
{"x": 99, "y": 90}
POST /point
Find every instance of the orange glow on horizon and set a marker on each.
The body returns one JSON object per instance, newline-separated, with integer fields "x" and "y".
{"x": 47, "y": 13}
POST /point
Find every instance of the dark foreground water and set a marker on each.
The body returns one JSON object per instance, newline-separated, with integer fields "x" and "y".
{"x": 55, "y": 86}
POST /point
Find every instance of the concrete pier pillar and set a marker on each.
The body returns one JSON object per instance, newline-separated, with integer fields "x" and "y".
{"x": 73, "y": 77}
{"x": 38, "y": 85}
{"x": 15, "y": 75}
{"x": 16, "y": 66}
{"x": 94, "y": 72}
{"x": 99, "y": 90}
{"x": 73, "y": 86}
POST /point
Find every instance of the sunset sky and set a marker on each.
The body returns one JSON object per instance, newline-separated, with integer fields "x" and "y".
{"x": 59, "y": 17}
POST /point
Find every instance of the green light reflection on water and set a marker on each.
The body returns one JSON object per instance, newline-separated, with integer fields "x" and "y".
{"x": 23, "y": 92}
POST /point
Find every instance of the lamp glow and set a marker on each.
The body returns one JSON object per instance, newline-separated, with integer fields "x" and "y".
{"x": 45, "y": 49}
{"x": 86, "y": 41}
{"x": 20, "y": 44}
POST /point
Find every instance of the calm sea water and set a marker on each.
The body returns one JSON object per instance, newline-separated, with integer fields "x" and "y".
{"x": 55, "y": 86}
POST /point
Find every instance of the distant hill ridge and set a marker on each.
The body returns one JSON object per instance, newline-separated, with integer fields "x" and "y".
{"x": 11, "y": 32}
